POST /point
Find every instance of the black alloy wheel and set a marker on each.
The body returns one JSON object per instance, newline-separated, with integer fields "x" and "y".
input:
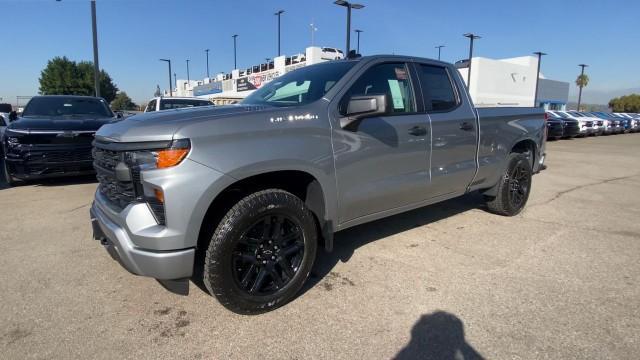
{"x": 519, "y": 182}
{"x": 268, "y": 255}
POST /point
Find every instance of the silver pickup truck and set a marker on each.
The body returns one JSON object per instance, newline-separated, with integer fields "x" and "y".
{"x": 243, "y": 195}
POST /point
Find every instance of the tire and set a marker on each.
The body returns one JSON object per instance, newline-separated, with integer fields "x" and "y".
{"x": 244, "y": 246}
{"x": 510, "y": 201}
{"x": 7, "y": 177}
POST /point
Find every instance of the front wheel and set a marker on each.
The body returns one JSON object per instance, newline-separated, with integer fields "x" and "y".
{"x": 7, "y": 176}
{"x": 514, "y": 187}
{"x": 261, "y": 253}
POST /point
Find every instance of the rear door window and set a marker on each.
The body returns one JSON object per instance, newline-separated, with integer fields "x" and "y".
{"x": 437, "y": 88}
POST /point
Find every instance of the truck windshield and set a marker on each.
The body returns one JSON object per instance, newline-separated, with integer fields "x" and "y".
{"x": 300, "y": 87}
{"x": 67, "y": 106}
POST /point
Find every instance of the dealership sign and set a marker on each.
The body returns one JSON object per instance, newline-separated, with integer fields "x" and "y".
{"x": 255, "y": 81}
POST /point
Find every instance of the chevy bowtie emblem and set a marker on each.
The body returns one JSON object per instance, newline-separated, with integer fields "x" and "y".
{"x": 69, "y": 134}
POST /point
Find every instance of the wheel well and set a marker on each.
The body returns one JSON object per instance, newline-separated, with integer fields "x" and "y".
{"x": 525, "y": 146}
{"x": 299, "y": 183}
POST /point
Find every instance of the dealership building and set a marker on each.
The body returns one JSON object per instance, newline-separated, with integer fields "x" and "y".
{"x": 494, "y": 82}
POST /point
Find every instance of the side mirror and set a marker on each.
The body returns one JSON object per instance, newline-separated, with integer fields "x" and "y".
{"x": 13, "y": 116}
{"x": 362, "y": 106}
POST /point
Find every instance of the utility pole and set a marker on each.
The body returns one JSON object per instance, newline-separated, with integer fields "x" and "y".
{"x": 358, "y": 47}
{"x": 278, "y": 13}
{"x": 96, "y": 66}
{"x": 471, "y": 37}
{"x": 582, "y": 66}
{"x": 439, "y": 47}
{"x": 535, "y": 97}
{"x": 188, "y": 78}
{"x": 170, "y": 85}
{"x": 235, "y": 59}
{"x": 349, "y": 6}
{"x": 207, "y": 51}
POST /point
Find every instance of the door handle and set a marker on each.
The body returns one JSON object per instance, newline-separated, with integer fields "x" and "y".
{"x": 466, "y": 126}
{"x": 418, "y": 131}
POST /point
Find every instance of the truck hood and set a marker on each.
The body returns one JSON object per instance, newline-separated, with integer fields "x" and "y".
{"x": 47, "y": 123}
{"x": 162, "y": 125}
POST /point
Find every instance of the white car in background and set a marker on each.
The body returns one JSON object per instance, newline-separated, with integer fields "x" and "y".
{"x": 586, "y": 125}
{"x": 173, "y": 102}
{"x": 633, "y": 118}
{"x": 329, "y": 53}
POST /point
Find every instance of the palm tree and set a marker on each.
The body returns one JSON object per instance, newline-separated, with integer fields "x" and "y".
{"x": 581, "y": 81}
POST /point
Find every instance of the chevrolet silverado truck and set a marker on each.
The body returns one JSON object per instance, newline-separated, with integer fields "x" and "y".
{"x": 242, "y": 196}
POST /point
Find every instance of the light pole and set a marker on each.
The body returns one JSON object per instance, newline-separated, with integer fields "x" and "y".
{"x": 170, "y": 86}
{"x": 439, "y": 47}
{"x": 278, "y": 13}
{"x": 96, "y": 65}
{"x": 349, "y": 6}
{"x": 535, "y": 97}
{"x": 235, "y": 59}
{"x": 471, "y": 37}
{"x": 582, "y": 66}
{"x": 313, "y": 31}
{"x": 358, "y": 32}
{"x": 207, "y": 51}
{"x": 188, "y": 78}
{"x": 175, "y": 80}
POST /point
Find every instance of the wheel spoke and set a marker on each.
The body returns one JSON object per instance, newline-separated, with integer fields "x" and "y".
{"x": 295, "y": 234}
{"x": 291, "y": 249}
{"x": 277, "y": 229}
{"x": 286, "y": 267}
{"x": 266, "y": 230}
{"x": 257, "y": 284}
{"x": 276, "y": 277}
{"x": 247, "y": 276}
{"x": 248, "y": 258}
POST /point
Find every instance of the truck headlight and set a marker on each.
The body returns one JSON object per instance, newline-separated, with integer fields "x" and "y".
{"x": 160, "y": 158}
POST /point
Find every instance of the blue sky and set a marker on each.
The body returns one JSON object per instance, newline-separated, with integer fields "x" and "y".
{"x": 134, "y": 34}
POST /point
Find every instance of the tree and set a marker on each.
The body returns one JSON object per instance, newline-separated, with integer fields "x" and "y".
{"x": 62, "y": 76}
{"x": 582, "y": 80}
{"x": 627, "y": 103}
{"x": 122, "y": 101}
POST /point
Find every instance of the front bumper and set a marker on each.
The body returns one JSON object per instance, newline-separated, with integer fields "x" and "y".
{"x": 162, "y": 265}
{"x": 36, "y": 162}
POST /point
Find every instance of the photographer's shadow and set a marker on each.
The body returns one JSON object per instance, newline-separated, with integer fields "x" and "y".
{"x": 438, "y": 336}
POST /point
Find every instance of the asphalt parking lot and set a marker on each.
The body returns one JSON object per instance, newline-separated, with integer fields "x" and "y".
{"x": 561, "y": 280}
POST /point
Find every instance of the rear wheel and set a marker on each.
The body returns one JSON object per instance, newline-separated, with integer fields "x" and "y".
{"x": 514, "y": 187}
{"x": 261, "y": 253}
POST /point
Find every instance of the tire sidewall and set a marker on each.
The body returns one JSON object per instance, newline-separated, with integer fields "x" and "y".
{"x": 225, "y": 239}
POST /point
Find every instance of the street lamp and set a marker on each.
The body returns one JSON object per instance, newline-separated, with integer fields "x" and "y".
{"x": 349, "y": 6}
{"x": 96, "y": 65}
{"x": 175, "y": 80}
{"x": 358, "y": 32}
{"x": 207, "y": 51}
{"x": 582, "y": 66}
{"x": 471, "y": 37}
{"x": 235, "y": 59}
{"x": 439, "y": 47}
{"x": 535, "y": 97}
{"x": 188, "y": 78}
{"x": 170, "y": 86}
{"x": 278, "y": 13}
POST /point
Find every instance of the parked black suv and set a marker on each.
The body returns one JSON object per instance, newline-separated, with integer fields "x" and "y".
{"x": 53, "y": 137}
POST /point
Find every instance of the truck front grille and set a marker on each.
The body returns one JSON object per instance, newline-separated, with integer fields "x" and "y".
{"x": 119, "y": 193}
